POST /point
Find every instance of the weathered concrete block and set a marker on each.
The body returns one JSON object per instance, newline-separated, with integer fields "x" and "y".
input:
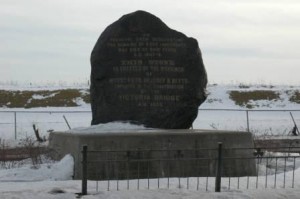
{"x": 185, "y": 147}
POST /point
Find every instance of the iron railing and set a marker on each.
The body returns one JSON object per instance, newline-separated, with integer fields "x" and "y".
{"x": 214, "y": 169}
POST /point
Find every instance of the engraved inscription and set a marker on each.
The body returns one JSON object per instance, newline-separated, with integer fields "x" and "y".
{"x": 149, "y": 66}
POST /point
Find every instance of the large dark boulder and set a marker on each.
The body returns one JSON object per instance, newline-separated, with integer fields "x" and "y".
{"x": 146, "y": 73}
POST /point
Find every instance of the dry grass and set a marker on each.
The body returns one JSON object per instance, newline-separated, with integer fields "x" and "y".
{"x": 86, "y": 98}
{"x": 28, "y": 150}
{"x": 243, "y": 98}
{"x": 31, "y": 99}
{"x": 295, "y": 97}
{"x": 68, "y": 97}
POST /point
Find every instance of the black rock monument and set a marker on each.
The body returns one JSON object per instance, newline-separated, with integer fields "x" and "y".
{"x": 146, "y": 73}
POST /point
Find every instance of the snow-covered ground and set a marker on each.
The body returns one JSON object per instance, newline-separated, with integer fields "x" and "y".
{"x": 260, "y": 122}
{"x": 62, "y": 170}
{"x": 50, "y": 178}
{"x": 48, "y": 189}
{"x": 54, "y": 180}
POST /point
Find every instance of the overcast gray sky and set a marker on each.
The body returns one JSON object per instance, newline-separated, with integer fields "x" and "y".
{"x": 253, "y": 41}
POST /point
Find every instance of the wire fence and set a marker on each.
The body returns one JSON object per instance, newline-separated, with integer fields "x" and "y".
{"x": 18, "y": 124}
{"x": 213, "y": 169}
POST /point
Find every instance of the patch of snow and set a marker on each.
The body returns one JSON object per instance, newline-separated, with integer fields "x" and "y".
{"x": 40, "y": 97}
{"x": 80, "y": 102}
{"x": 84, "y": 91}
{"x": 29, "y": 100}
{"x": 111, "y": 127}
{"x": 62, "y": 170}
{"x": 218, "y": 98}
{"x": 9, "y": 143}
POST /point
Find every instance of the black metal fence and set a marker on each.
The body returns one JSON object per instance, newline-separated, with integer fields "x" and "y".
{"x": 215, "y": 171}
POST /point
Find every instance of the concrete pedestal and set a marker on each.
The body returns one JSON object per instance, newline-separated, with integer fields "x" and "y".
{"x": 179, "y": 153}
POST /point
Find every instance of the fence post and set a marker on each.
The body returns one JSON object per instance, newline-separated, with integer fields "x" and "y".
{"x": 247, "y": 115}
{"x": 15, "y": 117}
{"x": 219, "y": 168}
{"x": 84, "y": 170}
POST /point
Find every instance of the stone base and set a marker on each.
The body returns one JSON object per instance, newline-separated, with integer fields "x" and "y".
{"x": 183, "y": 147}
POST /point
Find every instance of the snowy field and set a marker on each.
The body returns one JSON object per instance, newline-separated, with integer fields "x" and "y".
{"x": 54, "y": 179}
{"x": 47, "y": 119}
{"x": 267, "y": 122}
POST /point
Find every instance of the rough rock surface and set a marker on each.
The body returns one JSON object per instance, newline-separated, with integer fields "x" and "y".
{"x": 146, "y": 73}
